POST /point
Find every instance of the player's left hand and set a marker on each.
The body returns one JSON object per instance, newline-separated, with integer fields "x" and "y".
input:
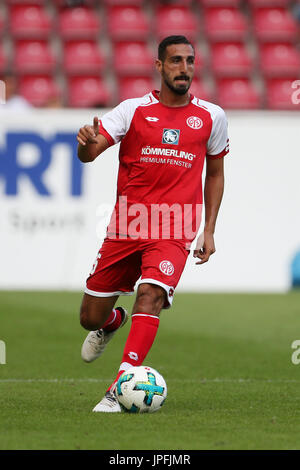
{"x": 205, "y": 247}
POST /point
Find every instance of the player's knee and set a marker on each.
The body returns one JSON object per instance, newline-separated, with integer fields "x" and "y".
{"x": 150, "y": 298}
{"x": 89, "y": 320}
{"x": 85, "y": 320}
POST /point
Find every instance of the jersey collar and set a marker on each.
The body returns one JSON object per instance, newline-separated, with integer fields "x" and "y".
{"x": 155, "y": 93}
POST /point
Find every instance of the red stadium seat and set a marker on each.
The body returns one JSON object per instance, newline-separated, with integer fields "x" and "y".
{"x": 231, "y": 60}
{"x": 135, "y": 87}
{"x": 78, "y": 23}
{"x": 237, "y": 94}
{"x": 83, "y": 57}
{"x": 279, "y": 60}
{"x": 3, "y": 59}
{"x": 30, "y": 22}
{"x": 176, "y": 20}
{"x": 87, "y": 92}
{"x": 269, "y": 3}
{"x": 38, "y": 90}
{"x": 34, "y": 57}
{"x": 219, "y": 3}
{"x": 283, "y": 94}
{"x": 127, "y": 24}
{"x": 133, "y": 58}
{"x": 225, "y": 24}
{"x": 201, "y": 90}
{"x": 274, "y": 24}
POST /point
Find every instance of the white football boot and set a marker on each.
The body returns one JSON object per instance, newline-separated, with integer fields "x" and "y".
{"x": 109, "y": 403}
{"x": 96, "y": 341}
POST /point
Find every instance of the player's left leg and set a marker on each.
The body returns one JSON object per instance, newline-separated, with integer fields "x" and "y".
{"x": 150, "y": 300}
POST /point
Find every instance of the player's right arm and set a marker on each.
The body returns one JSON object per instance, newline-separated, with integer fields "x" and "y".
{"x": 93, "y": 140}
{"x": 90, "y": 142}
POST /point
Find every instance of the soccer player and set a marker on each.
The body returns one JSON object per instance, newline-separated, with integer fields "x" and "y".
{"x": 165, "y": 138}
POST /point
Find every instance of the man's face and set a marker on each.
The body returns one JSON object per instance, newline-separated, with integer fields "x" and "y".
{"x": 177, "y": 69}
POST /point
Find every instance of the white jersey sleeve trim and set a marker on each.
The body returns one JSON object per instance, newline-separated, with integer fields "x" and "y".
{"x": 117, "y": 121}
{"x": 218, "y": 140}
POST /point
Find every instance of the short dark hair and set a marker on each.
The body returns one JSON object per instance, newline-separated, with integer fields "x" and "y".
{"x": 168, "y": 41}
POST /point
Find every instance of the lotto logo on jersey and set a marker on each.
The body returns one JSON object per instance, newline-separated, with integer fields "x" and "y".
{"x": 171, "y": 136}
{"x": 194, "y": 122}
{"x": 166, "y": 267}
{"x": 152, "y": 118}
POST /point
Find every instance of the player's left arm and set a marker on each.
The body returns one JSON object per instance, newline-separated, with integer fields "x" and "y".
{"x": 213, "y": 193}
{"x": 217, "y": 147}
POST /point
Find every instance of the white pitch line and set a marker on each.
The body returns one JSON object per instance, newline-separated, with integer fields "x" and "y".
{"x": 201, "y": 381}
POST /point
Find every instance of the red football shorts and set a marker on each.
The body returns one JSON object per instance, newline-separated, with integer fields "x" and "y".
{"x": 120, "y": 263}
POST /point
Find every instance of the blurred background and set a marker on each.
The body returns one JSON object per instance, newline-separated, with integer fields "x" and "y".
{"x": 247, "y": 51}
{"x": 62, "y": 62}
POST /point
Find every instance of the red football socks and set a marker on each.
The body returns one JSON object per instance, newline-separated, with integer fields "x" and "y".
{"x": 140, "y": 339}
{"x": 114, "y": 320}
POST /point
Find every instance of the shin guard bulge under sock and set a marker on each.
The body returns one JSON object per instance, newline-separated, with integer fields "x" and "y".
{"x": 140, "y": 339}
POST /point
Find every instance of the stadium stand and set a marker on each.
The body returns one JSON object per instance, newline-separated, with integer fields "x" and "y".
{"x": 247, "y": 52}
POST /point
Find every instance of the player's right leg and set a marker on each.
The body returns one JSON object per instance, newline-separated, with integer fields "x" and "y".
{"x": 150, "y": 298}
{"x": 156, "y": 289}
{"x": 98, "y": 315}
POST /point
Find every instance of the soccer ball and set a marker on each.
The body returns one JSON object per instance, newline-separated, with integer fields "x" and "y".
{"x": 141, "y": 390}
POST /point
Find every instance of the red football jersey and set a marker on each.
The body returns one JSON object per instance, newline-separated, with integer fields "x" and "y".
{"x": 161, "y": 157}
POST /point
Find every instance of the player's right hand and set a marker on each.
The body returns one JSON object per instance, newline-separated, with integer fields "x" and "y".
{"x": 88, "y": 134}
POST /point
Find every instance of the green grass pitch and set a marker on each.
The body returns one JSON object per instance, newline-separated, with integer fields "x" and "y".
{"x": 226, "y": 359}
